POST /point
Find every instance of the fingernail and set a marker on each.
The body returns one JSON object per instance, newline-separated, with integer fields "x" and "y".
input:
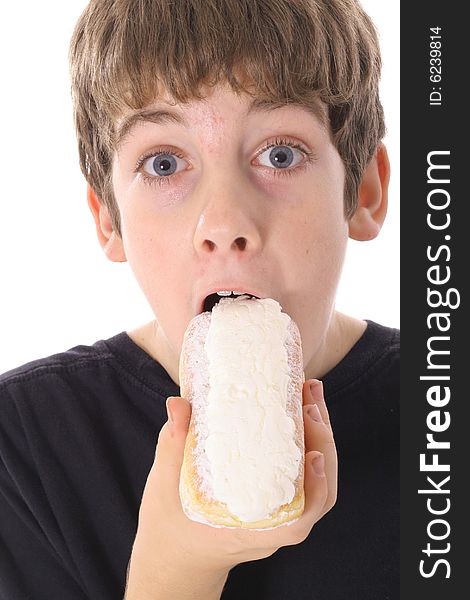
{"x": 316, "y": 390}
{"x": 318, "y": 464}
{"x": 169, "y": 412}
{"x": 314, "y": 413}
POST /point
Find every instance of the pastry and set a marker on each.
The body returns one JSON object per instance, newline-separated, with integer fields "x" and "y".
{"x": 241, "y": 368}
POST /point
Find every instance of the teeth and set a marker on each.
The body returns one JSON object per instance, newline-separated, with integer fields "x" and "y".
{"x": 228, "y": 293}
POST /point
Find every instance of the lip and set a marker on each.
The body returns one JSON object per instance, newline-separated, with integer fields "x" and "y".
{"x": 233, "y": 288}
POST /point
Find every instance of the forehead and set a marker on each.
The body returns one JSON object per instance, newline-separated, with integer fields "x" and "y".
{"x": 212, "y": 109}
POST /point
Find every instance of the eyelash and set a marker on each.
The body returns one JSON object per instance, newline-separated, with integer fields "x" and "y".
{"x": 310, "y": 157}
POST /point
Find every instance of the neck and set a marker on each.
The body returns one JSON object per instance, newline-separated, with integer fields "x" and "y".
{"x": 342, "y": 333}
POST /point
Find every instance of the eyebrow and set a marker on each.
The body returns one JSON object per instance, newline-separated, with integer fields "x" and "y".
{"x": 316, "y": 109}
{"x": 161, "y": 116}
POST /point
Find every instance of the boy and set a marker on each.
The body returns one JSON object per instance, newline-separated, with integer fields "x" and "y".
{"x": 228, "y": 145}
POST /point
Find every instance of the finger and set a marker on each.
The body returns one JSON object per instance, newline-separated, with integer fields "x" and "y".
{"x": 319, "y": 437}
{"x": 316, "y": 484}
{"x": 171, "y": 442}
{"x": 317, "y": 396}
{"x": 317, "y": 433}
{"x": 321, "y": 440}
{"x": 307, "y": 388}
{"x": 315, "y": 411}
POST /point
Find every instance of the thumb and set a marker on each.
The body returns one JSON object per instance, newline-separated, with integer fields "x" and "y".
{"x": 161, "y": 492}
{"x": 171, "y": 441}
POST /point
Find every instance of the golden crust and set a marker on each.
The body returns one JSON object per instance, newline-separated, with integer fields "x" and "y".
{"x": 196, "y": 502}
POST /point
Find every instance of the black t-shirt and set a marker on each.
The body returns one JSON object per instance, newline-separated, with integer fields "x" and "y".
{"x": 78, "y": 432}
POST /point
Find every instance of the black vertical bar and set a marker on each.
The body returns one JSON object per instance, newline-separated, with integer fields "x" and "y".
{"x": 435, "y": 272}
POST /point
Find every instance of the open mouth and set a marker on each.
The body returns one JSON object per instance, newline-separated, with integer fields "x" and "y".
{"x": 215, "y": 298}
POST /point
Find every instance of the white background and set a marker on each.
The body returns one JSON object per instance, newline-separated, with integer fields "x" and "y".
{"x": 57, "y": 288}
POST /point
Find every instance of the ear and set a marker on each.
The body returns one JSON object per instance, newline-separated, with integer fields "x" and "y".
{"x": 367, "y": 221}
{"x": 107, "y": 237}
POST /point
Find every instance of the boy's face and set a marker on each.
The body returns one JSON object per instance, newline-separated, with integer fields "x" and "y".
{"x": 215, "y": 196}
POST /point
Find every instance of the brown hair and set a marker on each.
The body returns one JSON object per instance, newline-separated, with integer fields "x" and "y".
{"x": 302, "y": 51}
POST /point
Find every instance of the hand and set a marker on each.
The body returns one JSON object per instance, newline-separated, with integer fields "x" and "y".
{"x": 168, "y": 545}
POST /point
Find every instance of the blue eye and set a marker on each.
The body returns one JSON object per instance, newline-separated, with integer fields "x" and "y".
{"x": 163, "y": 164}
{"x": 281, "y": 157}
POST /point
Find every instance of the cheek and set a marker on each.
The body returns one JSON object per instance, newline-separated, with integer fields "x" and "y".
{"x": 151, "y": 246}
{"x": 322, "y": 249}
{"x": 318, "y": 236}
{"x": 153, "y": 237}
{"x": 319, "y": 208}
{"x": 149, "y": 228}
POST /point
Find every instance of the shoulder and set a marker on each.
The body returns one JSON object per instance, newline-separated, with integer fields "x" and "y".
{"x": 382, "y": 340}
{"x": 41, "y": 397}
{"x": 372, "y": 364}
{"x": 379, "y": 346}
{"x": 379, "y": 382}
{"x": 37, "y": 399}
{"x": 363, "y": 392}
{"x": 62, "y": 363}
{"x": 52, "y": 384}
{"x": 380, "y": 349}
{"x": 93, "y": 375}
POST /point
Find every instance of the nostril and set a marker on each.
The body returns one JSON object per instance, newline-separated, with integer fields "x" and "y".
{"x": 241, "y": 243}
{"x": 209, "y": 245}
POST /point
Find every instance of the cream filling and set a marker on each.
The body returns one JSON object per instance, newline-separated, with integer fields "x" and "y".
{"x": 250, "y": 445}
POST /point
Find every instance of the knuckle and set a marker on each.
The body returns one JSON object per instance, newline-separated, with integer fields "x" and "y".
{"x": 331, "y": 501}
{"x": 299, "y": 534}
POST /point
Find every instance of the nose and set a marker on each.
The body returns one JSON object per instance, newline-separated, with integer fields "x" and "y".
{"x": 228, "y": 222}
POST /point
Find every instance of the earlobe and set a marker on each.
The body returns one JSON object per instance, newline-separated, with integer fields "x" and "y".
{"x": 107, "y": 237}
{"x": 367, "y": 221}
